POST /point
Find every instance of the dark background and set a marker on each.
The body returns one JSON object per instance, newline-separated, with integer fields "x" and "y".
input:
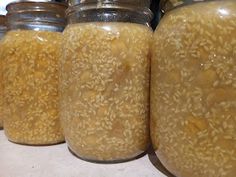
{"x": 155, "y": 10}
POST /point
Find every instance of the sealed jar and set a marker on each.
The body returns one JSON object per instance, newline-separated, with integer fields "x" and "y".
{"x": 30, "y": 73}
{"x": 104, "y": 79}
{"x": 193, "y": 88}
{"x": 3, "y": 30}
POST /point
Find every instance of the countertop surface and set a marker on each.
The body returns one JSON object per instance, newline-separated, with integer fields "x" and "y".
{"x": 56, "y": 161}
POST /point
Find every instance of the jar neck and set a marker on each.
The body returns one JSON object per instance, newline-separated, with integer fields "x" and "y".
{"x": 39, "y": 16}
{"x": 3, "y": 31}
{"x": 3, "y": 28}
{"x": 108, "y": 12}
{"x": 168, "y": 5}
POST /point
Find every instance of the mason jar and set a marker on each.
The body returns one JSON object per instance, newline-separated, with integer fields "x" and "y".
{"x": 193, "y": 88}
{"x": 31, "y": 51}
{"x": 104, "y": 79}
{"x": 3, "y": 30}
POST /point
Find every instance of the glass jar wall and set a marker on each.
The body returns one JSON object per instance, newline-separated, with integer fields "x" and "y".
{"x": 30, "y": 73}
{"x": 104, "y": 81}
{"x": 193, "y": 88}
{"x": 2, "y": 33}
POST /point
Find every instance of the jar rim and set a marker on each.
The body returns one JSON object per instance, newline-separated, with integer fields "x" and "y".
{"x": 3, "y": 20}
{"x": 62, "y": 4}
{"x": 109, "y": 6}
{"x": 45, "y": 1}
{"x": 36, "y": 15}
{"x": 145, "y": 3}
{"x": 169, "y": 5}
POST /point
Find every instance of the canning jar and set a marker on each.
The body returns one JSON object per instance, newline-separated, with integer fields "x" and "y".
{"x": 193, "y": 88}
{"x": 30, "y": 73}
{"x": 3, "y": 30}
{"x": 104, "y": 81}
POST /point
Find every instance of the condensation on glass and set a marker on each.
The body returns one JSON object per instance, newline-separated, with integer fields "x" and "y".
{"x": 193, "y": 88}
{"x": 104, "y": 80}
{"x": 3, "y": 30}
{"x": 31, "y": 51}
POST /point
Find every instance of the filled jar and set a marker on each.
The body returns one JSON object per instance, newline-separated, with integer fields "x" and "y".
{"x": 3, "y": 30}
{"x": 193, "y": 88}
{"x": 31, "y": 51}
{"x": 104, "y": 80}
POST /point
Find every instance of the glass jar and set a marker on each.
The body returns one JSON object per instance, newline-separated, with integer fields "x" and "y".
{"x": 193, "y": 88}
{"x": 3, "y": 30}
{"x": 30, "y": 73}
{"x": 104, "y": 81}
